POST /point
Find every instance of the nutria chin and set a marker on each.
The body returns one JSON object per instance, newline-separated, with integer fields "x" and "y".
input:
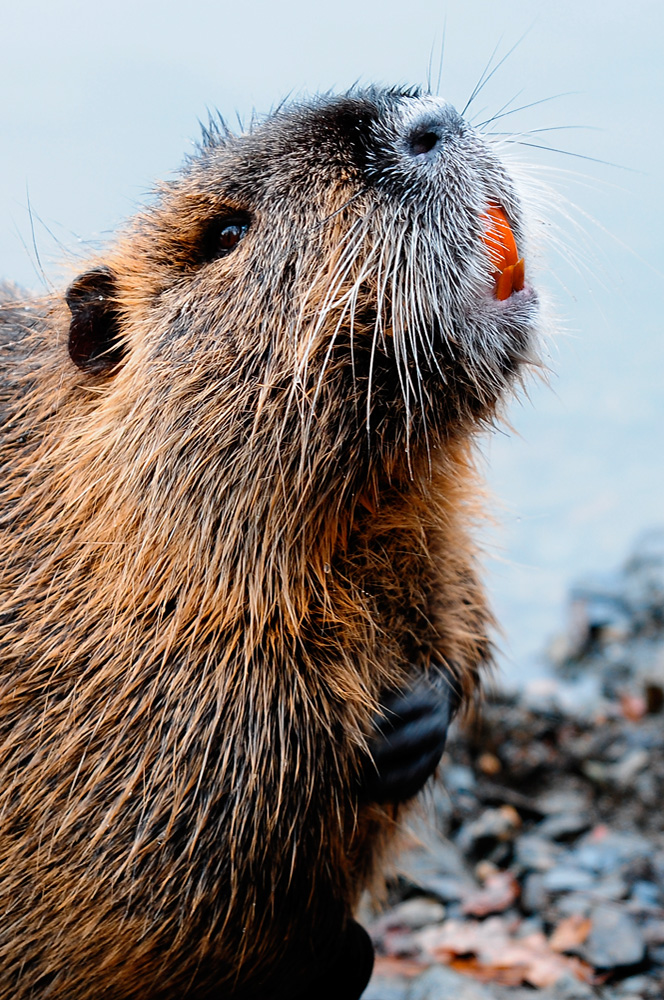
{"x": 239, "y": 598}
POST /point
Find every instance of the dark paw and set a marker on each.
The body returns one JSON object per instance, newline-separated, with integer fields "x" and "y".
{"x": 409, "y": 739}
{"x": 348, "y": 975}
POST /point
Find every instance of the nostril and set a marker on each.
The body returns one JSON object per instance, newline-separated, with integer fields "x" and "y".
{"x": 423, "y": 143}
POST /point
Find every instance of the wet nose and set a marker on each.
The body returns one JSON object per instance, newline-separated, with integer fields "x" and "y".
{"x": 428, "y": 133}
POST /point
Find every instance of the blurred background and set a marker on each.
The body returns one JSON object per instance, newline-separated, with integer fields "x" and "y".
{"x": 100, "y": 101}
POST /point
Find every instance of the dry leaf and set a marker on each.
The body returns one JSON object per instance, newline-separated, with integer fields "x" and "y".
{"x": 496, "y": 955}
{"x": 498, "y": 893}
{"x": 487, "y": 973}
{"x": 570, "y": 933}
{"x": 387, "y": 965}
{"x": 633, "y": 706}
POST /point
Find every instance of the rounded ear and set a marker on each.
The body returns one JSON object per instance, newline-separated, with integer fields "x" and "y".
{"x": 94, "y": 332}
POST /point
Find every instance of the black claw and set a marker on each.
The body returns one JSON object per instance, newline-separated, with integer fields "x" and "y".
{"x": 409, "y": 739}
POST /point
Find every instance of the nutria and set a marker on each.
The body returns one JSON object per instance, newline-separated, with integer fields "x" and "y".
{"x": 239, "y": 595}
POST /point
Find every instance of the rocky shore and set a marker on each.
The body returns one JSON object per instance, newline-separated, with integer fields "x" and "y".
{"x": 538, "y": 871}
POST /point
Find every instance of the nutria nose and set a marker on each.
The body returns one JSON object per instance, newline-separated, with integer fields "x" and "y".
{"x": 428, "y": 134}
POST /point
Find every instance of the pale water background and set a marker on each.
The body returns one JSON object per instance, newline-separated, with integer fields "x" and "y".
{"x": 98, "y": 102}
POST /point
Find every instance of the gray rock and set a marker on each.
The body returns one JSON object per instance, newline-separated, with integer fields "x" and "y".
{"x": 657, "y": 955}
{"x": 615, "y": 622}
{"x": 625, "y": 771}
{"x": 441, "y": 983}
{"x": 608, "y": 852}
{"x": 534, "y": 896}
{"x": 492, "y": 827}
{"x": 635, "y": 986}
{"x": 386, "y": 988}
{"x": 610, "y": 887}
{"x": 534, "y": 853}
{"x": 644, "y": 578}
{"x": 435, "y": 865}
{"x": 615, "y": 940}
{"x": 565, "y": 825}
{"x": 446, "y": 859}
{"x": 412, "y": 914}
{"x": 579, "y": 697}
{"x": 653, "y": 931}
{"x": 571, "y": 988}
{"x": 530, "y": 925}
{"x": 658, "y": 868}
{"x": 568, "y": 879}
{"x": 597, "y": 771}
{"x": 646, "y": 894}
{"x": 597, "y": 605}
{"x": 447, "y": 888}
{"x": 442, "y": 804}
{"x": 459, "y": 778}
{"x": 510, "y": 993}
{"x": 554, "y": 802}
{"x": 574, "y": 904}
{"x": 647, "y": 787}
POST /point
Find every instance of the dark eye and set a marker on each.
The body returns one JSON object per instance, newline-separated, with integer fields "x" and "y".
{"x": 222, "y": 235}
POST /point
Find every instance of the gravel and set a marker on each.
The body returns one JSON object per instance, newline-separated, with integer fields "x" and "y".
{"x": 539, "y": 871}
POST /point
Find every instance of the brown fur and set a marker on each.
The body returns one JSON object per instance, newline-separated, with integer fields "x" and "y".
{"x": 213, "y": 565}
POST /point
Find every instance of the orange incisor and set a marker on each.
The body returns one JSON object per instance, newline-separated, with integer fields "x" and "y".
{"x": 509, "y": 274}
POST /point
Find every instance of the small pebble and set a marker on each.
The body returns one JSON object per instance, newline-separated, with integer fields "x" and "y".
{"x": 636, "y": 985}
{"x": 446, "y": 888}
{"x": 386, "y": 988}
{"x": 459, "y": 779}
{"x": 574, "y": 904}
{"x": 615, "y": 940}
{"x": 564, "y": 826}
{"x": 610, "y": 887}
{"x": 571, "y": 988}
{"x": 626, "y": 770}
{"x": 646, "y": 894}
{"x": 561, "y": 801}
{"x": 484, "y": 870}
{"x": 653, "y": 931}
{"x": 535, "y": 853}
{"x": 411, "y": 915}
{"x": 567, "y": 879}
{"x": 604, "y": 850}
{"x": 442, "y": 983}
{"x": 534, "y": 896}
{"x": 494, "y": 826}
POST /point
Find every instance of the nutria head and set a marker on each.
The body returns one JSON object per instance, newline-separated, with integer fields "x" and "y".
{"x": 332, "y": 265}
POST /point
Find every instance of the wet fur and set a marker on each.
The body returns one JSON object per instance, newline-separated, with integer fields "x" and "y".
{"x": 219, "y": 553}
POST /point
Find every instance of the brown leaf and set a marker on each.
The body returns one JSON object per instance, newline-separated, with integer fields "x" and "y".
{"x": 487, "y": 973}
{"x": 570, "y": 933}
{"x": 497, "y": 894}
{"x": 491, "y": 952}
{"x": 633, "y": 706}
{"x": 387, "y": 965}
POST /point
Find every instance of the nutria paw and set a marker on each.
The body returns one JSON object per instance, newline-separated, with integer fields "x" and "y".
{"x": 409, "y": 739}
{"x": 347, "y": 977}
